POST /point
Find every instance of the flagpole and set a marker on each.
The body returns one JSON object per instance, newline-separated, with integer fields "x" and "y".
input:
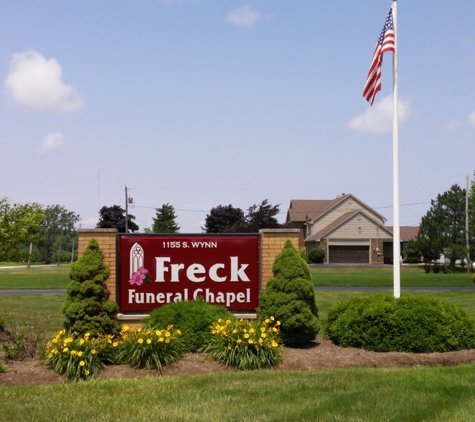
{"x": 396, "y": 224}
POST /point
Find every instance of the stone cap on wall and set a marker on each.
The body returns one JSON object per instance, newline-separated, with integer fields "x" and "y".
{"x": 279, "y": 230}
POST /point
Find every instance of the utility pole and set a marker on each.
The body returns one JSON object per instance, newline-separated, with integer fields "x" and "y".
{"x": 126, "y": 211}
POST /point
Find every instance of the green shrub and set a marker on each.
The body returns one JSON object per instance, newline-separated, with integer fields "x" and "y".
{"x": 412, "y": 260}
{"x": 245, "y": 344}
{"x": 80, "y": 357}
{"x": 382, "y": 323}
{"x": 290, "y": 298}
{"x": 316, "y": 256}
{"x": 193, "y": 318}
{"x": 303, "y": 254}
{"x": 87, "y": 308}
{"x": 151, "y": 349}
{"x": 3, "y": 369}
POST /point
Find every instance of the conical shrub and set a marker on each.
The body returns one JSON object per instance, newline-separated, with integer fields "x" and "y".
{"x": 290, "y": 298}
{"x": 87, "y": 307}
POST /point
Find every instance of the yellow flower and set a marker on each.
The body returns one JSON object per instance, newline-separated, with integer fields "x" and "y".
{"x": 261, "y": 341}
{"x": 73, "y": 352}
{"x": 246, "y": 335}
{"x": 65, "y": 350}
{"x": 86, "y": 372}
{"x": 167, "y": 334}
{"x": 239, "y": 341}
{"x": 79, "y": 353}
{"x": 81, "y": 342}
{"x": 167, "y": 340}
{"x": 267, "y": 320}
{"x": 158, "y": 332}
{"x": 115, "y": 344}
{"x": 263, "y": 335}
{"x": 252, "y": 331}
{"x": 250, "y": 341}
{"x": 125, "y": 328}
{"x": 55, "y": 340}
{"x": 160, "y": 339}
{"x": 274, "y": 344}
{"x": 86, "y": 336}
{"x": 277, "y": 323}
{"x": 272, "y": 318}
{"x": 93, "y": 352}
{"x": 178, "y": 332}
{"x": 149, "y": 341}
{"x": 140, "y": 340}
{"x": 262, "y": 329}
{"x": 82, "y": 363}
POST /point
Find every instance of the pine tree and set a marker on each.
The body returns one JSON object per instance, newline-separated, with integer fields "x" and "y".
{"x": 165, "y": 220}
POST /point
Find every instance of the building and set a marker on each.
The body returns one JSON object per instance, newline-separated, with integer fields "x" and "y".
{"x": 347, "y": 229}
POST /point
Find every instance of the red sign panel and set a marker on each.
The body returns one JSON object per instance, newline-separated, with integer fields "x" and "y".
{"x": 159, "y": 269}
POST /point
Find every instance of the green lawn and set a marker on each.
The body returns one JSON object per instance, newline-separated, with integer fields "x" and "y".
{"x": 383, "y": 276}
{"x": 50, "y": 277}
{"x": 432, "y": 394}
{"x": 438, "y": 394}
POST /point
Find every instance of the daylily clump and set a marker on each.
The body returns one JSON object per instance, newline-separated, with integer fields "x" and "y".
{"x": 246, "y": 344}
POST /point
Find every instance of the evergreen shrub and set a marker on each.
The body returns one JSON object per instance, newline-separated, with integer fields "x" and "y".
{"x": 382, "y": 323}
{"x": 87, "y": 307}
{"x": 193, "y": 318}
{"x": 290, "y": 298}
{"x": 316, "y": 256}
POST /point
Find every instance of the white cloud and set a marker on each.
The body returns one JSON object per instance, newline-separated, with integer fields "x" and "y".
{"x": 471, "y": 118}
{"x": 243, "y": 16}
{"x": 51, "y": 141}
{"x": 452, "y": 125}
{"x": 36, "y": 83}
{"x": 379, "y": 118}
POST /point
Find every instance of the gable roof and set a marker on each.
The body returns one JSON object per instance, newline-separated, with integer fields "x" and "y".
{"x": 341, "y": 221}
{"x": 301, "y": 210}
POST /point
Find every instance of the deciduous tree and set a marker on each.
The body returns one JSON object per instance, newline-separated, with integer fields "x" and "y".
{"x": 114, "y": 218}
{"x": 57, "y": 229}
{"x": 18, "y": 224}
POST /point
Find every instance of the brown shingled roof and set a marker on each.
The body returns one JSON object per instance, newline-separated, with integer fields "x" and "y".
{"x": 406, "y": 233}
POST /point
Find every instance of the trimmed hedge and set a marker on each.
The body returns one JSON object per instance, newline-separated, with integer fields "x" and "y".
{"x": 193, "y": 318}
{"x": 382, "y": 323}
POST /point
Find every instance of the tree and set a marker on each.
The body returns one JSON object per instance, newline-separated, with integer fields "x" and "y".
{"x": 442, "y": 229}
{"x": 87, "y": 307}
{"x": 258, "y": 217}
{"x": 165, "y": 220}
{"x": 222, "y": 218}
{"x": 227, "y": 219}
{"x": 18, "y": 224}
{"x": 58, "y": 231}
{"x": 290, "y": 298}
{"x": 114, "y": 218}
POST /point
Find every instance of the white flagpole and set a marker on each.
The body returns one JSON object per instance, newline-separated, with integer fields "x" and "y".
{"x": 396, "y": 224}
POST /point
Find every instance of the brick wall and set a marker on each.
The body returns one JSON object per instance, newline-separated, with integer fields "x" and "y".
{"x": 107, "y": 239}
{"x": 272, "y": 242}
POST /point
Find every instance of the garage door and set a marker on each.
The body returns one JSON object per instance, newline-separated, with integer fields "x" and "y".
{"x": 349, "y": 255}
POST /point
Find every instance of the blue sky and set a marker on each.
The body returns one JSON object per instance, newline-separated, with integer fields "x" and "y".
{"x": 199, "y": 103}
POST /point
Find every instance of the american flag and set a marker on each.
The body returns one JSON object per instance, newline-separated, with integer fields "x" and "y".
{"x": 385, "y": 43}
